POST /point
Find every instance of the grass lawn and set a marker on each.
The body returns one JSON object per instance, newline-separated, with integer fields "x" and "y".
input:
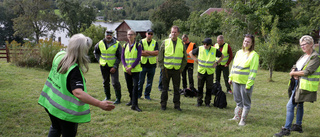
{"x": 20, "y": 115}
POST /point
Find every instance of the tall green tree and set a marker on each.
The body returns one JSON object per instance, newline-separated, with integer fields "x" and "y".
{"x": 6, "y": 28}
{"x": 171, "y": 10}
{"x": 35, "y": 17}
{"x": 75, "y": 16}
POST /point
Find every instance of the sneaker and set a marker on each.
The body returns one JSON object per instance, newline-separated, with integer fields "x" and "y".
{"x": 147, "y": 97}
{"x": 297, "y": 128}
{"x": 230, "y": 91}
{"x": 283, "y": 132}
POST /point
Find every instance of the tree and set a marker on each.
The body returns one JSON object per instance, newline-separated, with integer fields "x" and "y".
{"x": 6, "y": 30}
{"x": 75, "y": 16}
{"x": 171, "y": 10}
{"x": 96, "y": 33}
{"x": 35, "y": 17}
{"x": 270, "y": 49}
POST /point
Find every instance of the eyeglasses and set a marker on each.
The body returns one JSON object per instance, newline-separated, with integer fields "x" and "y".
{"x": 130, "y": 34}
{"x": 150, "y": 33}
{"x": 303, "y": 45}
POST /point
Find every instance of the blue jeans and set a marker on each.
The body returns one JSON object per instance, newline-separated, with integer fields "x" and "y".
{"x": 290, "y": 110}
{"x": 149, "y": 71}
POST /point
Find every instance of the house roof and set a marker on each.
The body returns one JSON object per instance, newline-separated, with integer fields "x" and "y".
{"x": 138, "y": 25}
{"x": 210, "y": 10}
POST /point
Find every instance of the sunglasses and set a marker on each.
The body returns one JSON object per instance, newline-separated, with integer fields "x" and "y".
{"x": 150, "y": 33}
{"x": 130, "y": 34}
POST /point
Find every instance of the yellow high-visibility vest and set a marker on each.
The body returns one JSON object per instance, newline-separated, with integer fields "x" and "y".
{"x": 173, "y": 57}
{"x": 224, "y": 52}
{"x": 206, "y": 61}
{"x": 152, "y": 59}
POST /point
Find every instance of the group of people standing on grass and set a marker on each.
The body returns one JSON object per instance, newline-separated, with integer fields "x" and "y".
{"x": 65, "y": 97}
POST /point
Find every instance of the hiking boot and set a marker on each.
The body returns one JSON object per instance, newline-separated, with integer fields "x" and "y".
{"x": 199, "y": 104}
{"x": 297, "y": 128}
{"x": 229, "y": 91}
{"x": 283, "y": 132}
{"x": 147, "y": 97}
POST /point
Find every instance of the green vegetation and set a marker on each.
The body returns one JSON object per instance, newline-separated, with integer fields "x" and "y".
{"x": 20, "y": 115}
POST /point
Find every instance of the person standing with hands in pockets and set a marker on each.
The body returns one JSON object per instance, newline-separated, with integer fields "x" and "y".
{"x": 243, "y": 73}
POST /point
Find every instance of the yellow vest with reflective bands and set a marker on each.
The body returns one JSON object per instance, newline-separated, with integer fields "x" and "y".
{"x": 56, "y": 98}
{"x": 130, "y": 57}
{"x": 108, "y": 56}
{"x": 152, "y": 59}
{"x": 244, "y": 68}
{"x": 206, "y": 61}
{"x": 224, "y": 52}
{"x": 310, "y": 82}
{"x": 173, "y": 57}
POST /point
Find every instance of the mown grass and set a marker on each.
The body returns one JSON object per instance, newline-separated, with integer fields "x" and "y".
{"x": 20, "y": 115}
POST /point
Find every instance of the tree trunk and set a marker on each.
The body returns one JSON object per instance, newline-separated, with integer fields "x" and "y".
{"x": 270, "y": 73}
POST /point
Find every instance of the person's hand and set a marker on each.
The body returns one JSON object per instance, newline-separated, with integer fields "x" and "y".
{"x": 106, "y": 105}
{"x": 230, "y": 81}
{"x": 197, "y": 61}
{"x": 129, "y": 70}
{"x": 225, "y": 65}
{"x": 215, "y": 64}
{"x": 293, "y": 75}
{"x": 112, "y": 70}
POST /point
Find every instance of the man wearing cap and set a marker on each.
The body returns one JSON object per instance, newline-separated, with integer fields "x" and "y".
{"x": 224, "y": 64}
{"x": 108, "y": 54}
{"x": 172, "y": 59}
{"x": 206, "y": 67}
{"x": 189, "y": 68}
{"x": 148, "y": 63}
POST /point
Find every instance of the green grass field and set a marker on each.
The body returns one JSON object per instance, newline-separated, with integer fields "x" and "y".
{"x": 20, "y": 115}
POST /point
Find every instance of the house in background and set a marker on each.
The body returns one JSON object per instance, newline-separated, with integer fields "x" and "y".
{"x": 139, "y": 26}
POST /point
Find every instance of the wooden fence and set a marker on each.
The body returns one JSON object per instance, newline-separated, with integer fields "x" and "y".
{"x": 4, "y": 53}
{"x": 15, "y": 53}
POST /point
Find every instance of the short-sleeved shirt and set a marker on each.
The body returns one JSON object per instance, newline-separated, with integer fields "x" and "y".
{"x": 74, "y": 80}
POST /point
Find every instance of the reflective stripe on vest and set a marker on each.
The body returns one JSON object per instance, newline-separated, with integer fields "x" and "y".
{"x": 310, "y": 82}
{"x": 190, "y": 48}
{"x": 108, "y": 56}
{"x": 173, "y": 57}
{"x": 130, "y": 57}
{"x": 224, "y": 52}
{"x": 240, "y": 70}
{"x": 206, "y": 61}
{"x": 56, "y": 98}
{"x": 152, "y": 59}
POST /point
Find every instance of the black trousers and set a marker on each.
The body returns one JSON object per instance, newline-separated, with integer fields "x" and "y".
{"x": 208, "y": 79}
{"x": 61, "y": 127}
{"x": 132, "y": 85}
{"x": 189, "y": 69}
{"x": 105, "y": 71}
{"x": 225, "y": 71}
{"x": 168, "y": 74}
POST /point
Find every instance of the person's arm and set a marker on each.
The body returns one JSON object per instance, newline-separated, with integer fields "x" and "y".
{"x": 192, "y": 54}
{"x": 230, "y": 56}
{"x": 218, "y": 54}
{"x": 254, "y": 64}
{"x": 118, "y": 56}
{"x": 137, "y": 61}
{"x": 311, "y": 67}
{"x": 161, "y": 55}
{"x": 122, "y": 56}
{"x": 86, "y": 98}
{"x": 97, "y": 52}
{"x": 155, "y": 52}
{"x": 184, "y": 59}
{"x": 143, "y": 51}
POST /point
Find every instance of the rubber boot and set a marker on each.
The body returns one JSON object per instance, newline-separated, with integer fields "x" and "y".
{"x": 118, "y": 97}
{"x": 237, "y": 113}
{"x": 108, "y": 95}
{"x": 244, "y": 115}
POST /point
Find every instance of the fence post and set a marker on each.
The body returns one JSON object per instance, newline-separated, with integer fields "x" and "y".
{"x": 7, "y": 53}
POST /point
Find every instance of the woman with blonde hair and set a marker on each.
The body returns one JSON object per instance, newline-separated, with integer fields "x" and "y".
{"x": 306, "y": 74}
{"x": 64, "y": 95}
{"x": 243, "y": 72}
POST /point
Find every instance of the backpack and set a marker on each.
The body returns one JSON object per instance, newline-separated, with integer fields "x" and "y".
{"x": 216, "y": 88}
{"x": 189, "y": 92}
{"x": 220, "y": 100}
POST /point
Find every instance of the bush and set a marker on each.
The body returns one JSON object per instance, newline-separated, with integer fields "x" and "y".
{"x": 31, "y": 55}
{"x": 289, "y": 57}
